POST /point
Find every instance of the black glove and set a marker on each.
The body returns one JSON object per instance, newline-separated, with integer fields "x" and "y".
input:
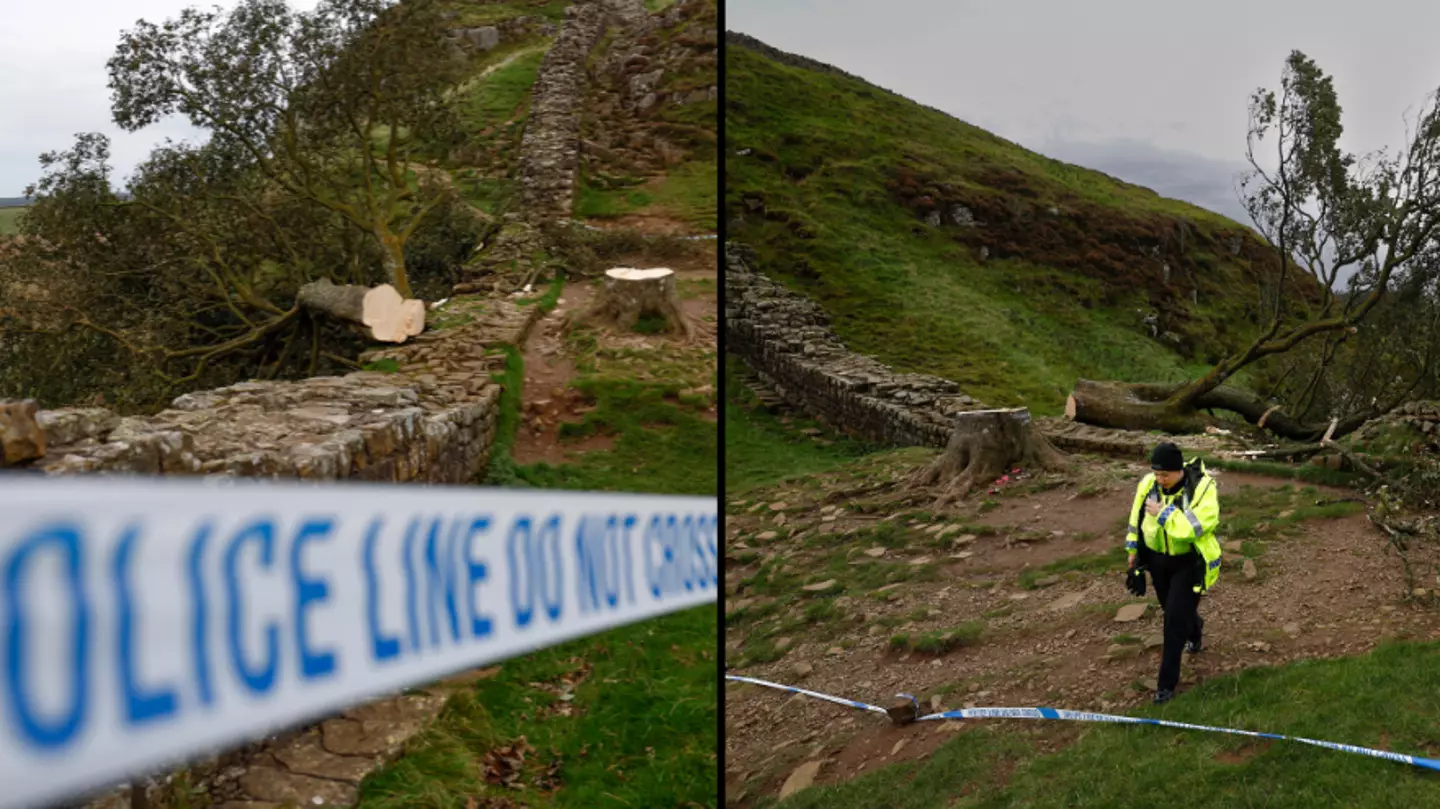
{"x": 1199, "y": 566}
{"x": 1135, "y": 582}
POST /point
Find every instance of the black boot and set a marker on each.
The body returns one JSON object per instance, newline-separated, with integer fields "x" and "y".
{"x": 1163, "y": 695}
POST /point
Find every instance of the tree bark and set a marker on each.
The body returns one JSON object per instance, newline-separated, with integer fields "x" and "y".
{"x": 1142, "y": 406}
{"x": 984, "y": 445}
{"x": 1127, "y": 406}
{"x": 393, "y": 258}
{"x": 630, "y": 294}
{"x": 379, "y": 311}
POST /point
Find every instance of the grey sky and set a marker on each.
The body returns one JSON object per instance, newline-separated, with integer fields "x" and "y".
{"x": 1153, "y": 92}
{"x": 52, "y": 81}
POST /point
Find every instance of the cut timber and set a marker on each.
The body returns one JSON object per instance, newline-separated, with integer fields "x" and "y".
{"x": 385, "y": 316}
{"x": 630, "y": 294}
{"x": 984, "y": 445}
{"x": 1127, "y": 406}
{"x": 1144, "y": 406}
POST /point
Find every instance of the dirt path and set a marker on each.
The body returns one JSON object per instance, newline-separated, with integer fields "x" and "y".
{"x": 1324, "y": 589}
{"x": 550, "y": 400}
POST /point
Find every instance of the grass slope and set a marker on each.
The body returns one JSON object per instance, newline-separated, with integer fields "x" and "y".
{"x": 834, "y": 189}
{"x": 1389, "y": 700}
{"x": 624, "y": 718}
{"x": 762, "y": 448}
{"x": 10, "y": 220}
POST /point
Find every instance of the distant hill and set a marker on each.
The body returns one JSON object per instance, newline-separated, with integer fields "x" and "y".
{"x": 940, "y": 248}
{"x": 14, "y": 202}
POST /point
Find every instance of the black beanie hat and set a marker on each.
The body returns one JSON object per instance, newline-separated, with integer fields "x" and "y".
{"x": 1167, "y": 458}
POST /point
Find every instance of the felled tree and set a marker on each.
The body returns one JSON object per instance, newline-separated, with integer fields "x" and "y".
{"x": 1326, "y": 214}
{"x": 984, "y": 445}
{"x": 330, "y": 106}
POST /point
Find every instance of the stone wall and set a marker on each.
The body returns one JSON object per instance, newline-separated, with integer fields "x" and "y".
{"x": 549, "y": 149}
{"x": 432, "y": 420}
{"x": 786, "y": 339}
{"x": 656, "y": 61}
{"x": 488, "y": 37}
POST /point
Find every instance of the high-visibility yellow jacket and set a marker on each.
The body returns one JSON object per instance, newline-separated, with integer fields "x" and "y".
{"x": 1188, "y": 520}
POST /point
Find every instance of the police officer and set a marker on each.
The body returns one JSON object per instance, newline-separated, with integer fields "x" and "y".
{"x": 1172, "y": 534}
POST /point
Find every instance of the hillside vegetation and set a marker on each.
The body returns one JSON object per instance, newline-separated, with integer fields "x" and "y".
{"x": 941, "y": 248}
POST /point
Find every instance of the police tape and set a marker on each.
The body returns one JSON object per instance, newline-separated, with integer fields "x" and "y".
{"x": 792, "y": 689}
{"x": 1084, "y": 716}
{"x": 145, "y": 622}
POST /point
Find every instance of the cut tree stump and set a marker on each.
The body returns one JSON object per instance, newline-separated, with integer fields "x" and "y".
{"x": 630, "y": 294}
{"x": 379, "y": 311}
{"x": 984, "y": 445}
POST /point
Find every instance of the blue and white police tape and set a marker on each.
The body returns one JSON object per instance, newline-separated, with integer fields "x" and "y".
{"x": 1084, "y": 716}
{"x": 850, "y": 703}
{"x": 144, "y": 622}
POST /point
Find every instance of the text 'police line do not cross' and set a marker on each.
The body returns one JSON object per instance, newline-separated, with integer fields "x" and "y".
{"x": 141, "y": 622}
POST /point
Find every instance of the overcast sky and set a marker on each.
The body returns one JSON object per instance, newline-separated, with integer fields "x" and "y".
{"x": 52, "y": 80}
{"x": 1153, "y": 92}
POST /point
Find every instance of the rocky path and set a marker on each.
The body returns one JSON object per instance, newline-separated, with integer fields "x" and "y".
{"x": 1319, "y": 587}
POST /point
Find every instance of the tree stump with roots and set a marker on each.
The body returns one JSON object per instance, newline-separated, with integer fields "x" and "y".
{"x": 984, "y": 445}
{"x": 630, "y": 294}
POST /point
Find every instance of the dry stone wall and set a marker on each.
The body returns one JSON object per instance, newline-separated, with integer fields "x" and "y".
{"x": 548, "y": 150}
{"x": 430, "y": 421}
{"x": 786, "y": 339}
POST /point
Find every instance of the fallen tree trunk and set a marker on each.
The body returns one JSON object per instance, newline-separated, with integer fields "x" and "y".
{"x": 1127, "y": 406}
{"x": 1146, "y": 406}
{"x": 984, "y": 445}
{"x": 630, "y": 294}
{"x": 380, "y": 312}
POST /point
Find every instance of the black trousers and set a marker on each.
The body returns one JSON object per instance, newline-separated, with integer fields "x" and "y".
{"x": 1174, "y": 579}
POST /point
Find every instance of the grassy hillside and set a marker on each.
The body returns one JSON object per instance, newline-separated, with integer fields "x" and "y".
{"x": 10, "y": 220}
{"x": 865, "y": 201}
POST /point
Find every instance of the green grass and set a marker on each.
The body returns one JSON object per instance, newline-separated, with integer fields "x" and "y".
{"x": 10, "y": 220}
{"x": 827, "y": 157}
{"x": 503, "y": 470}
{"x": 601, "y": 203}
{"x": 1256, "y": 512}
{"x": 760, "y": 450}
{"x": 385, "y": 366}
{"x": 1112, "y": 560}
{"x": 477, "y": 14}
{"x": 1308, "y": 473}
{"x": 686, "y": 192}
{"x": 1388, "y": 699}
{"x": 642, "y": 729}
{"x": 941, "y": 642}
{"x": 492, "y": 101}
{"x": 661, "y": 446}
